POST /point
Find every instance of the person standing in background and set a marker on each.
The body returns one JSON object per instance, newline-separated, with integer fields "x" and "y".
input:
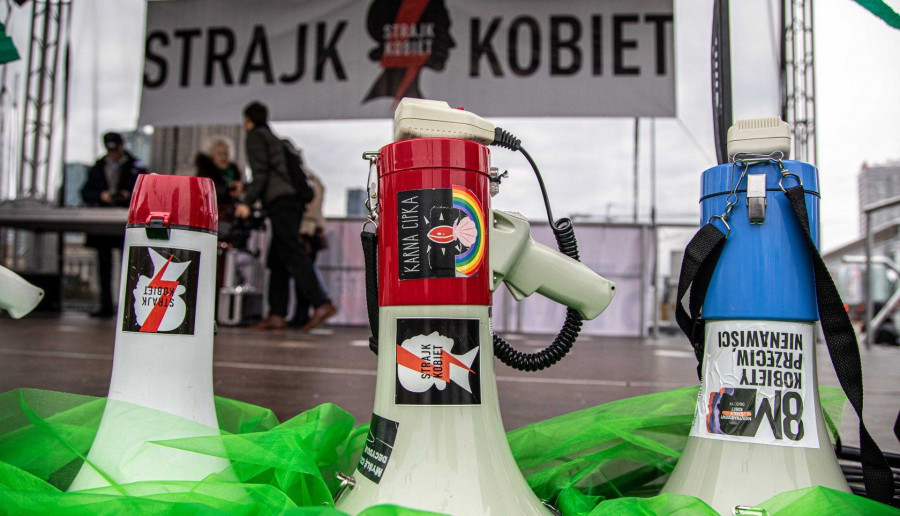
{"x": 109, "y": 184}
{"x": 272, "y": 185}
{"x": 215, "y": 162}
{"x": 312, "y": 238}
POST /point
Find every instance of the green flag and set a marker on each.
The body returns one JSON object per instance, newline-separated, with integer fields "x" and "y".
{"x": 7, "y": 49}
{"x": 882, "y": 10}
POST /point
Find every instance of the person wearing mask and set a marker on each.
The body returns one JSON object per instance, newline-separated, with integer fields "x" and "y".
{"x": 272, "y": 186}
{"x": 109, "y": 184}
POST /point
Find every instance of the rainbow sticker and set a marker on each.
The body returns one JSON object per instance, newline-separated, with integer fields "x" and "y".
{"x": 471, "y": 232}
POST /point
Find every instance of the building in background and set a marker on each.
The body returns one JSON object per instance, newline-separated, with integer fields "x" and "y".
{"x": 877, "y": 183}
{"x": 356, "y": 202}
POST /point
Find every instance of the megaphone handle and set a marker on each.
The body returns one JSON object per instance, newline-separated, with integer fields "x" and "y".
{"x": 565, "y": 233}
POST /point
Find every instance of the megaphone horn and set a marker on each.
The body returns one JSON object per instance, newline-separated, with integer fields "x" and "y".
{"x": 161, "y": 386}
{"x": 17, "y": 296}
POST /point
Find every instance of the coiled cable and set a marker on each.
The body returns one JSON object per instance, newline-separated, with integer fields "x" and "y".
{"x": 564, "y": 232}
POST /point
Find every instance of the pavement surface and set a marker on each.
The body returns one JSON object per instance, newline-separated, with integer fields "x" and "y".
{"x": 290, "y": 371}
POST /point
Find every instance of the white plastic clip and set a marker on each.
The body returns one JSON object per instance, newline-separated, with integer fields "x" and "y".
{"x": 756, "y": 198}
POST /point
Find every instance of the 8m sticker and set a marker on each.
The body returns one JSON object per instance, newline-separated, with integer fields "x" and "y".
{"x": 437, "y": 362}
{"x": 161, "y": 290}
{"x": 441, "y": 233}
{"x": 757, "y": 384}
{"x": 379, "y": 445}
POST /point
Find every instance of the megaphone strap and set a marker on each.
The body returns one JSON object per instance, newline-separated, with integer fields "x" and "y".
{"x": 700, "y": 258}
{"x": 370, "y": 257}
{"x": 844, "y": 352}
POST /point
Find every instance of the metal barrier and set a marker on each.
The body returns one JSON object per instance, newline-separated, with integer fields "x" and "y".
{"x": 623, "y": 253}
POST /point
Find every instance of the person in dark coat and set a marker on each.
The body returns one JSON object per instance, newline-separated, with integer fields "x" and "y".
{"x": 287, "y": 259}
{"x": 109, "y": 184}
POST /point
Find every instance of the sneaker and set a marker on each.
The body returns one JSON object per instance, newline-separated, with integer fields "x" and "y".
{"x": 272, "y": 322}
{"x": 321, "y": 314}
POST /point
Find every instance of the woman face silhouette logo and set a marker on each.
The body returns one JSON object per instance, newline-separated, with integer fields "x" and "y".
{"x": 410, "y": 34}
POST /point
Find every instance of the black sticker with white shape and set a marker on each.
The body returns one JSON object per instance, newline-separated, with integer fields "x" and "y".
{"x": 161, "y": 290}
{"x": 438, "y": 362}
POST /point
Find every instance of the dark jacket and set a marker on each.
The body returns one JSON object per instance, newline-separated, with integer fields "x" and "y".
{"x": 265, "y": 155}
{"x": 96, "y": 183}
{"x": 206, "y": 168}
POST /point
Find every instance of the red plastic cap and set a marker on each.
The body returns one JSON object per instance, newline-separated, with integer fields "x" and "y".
{"x": 174, "y": 201}
{"x": 426, "y": 153}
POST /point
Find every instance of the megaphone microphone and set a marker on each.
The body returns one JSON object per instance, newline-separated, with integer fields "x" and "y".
{"x": 436, "y": 441}
{"x": 161, "y": 386}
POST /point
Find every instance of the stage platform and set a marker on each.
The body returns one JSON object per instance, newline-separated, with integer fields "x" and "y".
{"x": 290, "y": 371}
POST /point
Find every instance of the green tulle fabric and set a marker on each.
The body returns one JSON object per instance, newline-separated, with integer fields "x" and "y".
{"x": 609, "y": 459}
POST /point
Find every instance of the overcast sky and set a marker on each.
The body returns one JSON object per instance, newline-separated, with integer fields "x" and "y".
{"x": 586, "y": 162}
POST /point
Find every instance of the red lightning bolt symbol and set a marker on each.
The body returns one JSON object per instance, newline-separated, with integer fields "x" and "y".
{"x": 151, "y": 325}
{"x": 409, "y": 360}
{"x": 409, "y": 13}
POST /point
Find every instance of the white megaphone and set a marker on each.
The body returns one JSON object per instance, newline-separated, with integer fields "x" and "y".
{"x": 758, "y": 429}
{"x": 17, "y": 296}
{"x": 436, "y": 441}
{"x": 161, "y": 386}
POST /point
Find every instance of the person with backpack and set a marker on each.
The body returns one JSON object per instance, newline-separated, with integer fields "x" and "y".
{"x": 284, "y": 198}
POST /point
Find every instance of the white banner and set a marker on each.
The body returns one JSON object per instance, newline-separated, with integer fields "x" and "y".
{"x": 327, "y": 59}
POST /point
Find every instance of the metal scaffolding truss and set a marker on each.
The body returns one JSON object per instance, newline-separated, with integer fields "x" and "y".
{"x": 798, "y": 100}
{"x": 48, "y": 34}
{"x": 8, "y": 105}
{"x": 721, "y": 77}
